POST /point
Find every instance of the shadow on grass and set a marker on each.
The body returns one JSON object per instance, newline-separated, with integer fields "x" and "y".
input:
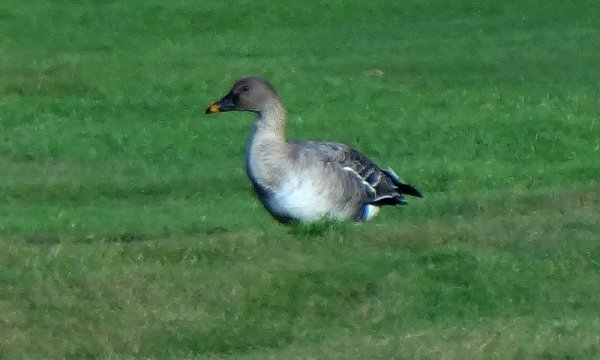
{"x": 319, "y": 229}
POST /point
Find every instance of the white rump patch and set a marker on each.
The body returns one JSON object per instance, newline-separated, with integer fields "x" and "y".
{"x": 370, "y": 211}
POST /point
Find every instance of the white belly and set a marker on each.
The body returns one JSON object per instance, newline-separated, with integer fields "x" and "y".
{"x": 303, "y": 199}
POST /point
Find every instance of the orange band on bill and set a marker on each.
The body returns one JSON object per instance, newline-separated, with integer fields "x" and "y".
{"x": 213, "y": 108}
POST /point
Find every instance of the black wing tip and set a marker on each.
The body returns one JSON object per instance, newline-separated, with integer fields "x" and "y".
{"x": 409, "y": 190}
{"x": 402, "y": 187}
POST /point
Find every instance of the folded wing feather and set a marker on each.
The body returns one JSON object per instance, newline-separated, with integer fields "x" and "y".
{"x": 383, "y": 186}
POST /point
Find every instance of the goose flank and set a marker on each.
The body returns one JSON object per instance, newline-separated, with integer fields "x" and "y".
{"x": 307, "y": 180}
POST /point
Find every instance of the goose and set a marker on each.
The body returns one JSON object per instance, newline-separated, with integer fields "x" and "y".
{"x": 305, "y": 181}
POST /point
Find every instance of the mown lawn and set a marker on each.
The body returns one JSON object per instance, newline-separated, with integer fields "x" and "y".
{"x": 129, "y": 230}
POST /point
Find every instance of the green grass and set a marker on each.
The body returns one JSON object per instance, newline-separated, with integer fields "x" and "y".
{"x": 128, "y": 228}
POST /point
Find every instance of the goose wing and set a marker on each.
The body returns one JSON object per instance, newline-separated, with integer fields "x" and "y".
{"x": 383, "y": 186}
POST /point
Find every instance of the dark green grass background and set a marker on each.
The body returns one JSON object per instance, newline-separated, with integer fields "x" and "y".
{"x": 128, "y": 228}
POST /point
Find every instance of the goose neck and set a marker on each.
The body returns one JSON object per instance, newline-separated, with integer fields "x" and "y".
{"x": 272, "y": 119}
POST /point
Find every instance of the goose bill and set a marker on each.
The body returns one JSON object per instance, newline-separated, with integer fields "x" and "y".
{"x": 213, "y": 108}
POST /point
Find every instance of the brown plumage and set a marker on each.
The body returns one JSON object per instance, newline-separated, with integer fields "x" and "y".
{"x": 307, "y": 180}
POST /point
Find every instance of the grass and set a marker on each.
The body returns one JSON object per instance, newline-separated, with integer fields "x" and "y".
{"x": 128, "y": 228}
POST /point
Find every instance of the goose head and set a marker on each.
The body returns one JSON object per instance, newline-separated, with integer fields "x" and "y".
{"x": 248, "y": 94}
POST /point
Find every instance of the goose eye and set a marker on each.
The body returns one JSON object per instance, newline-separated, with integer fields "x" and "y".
{"x": 245, "y": 88}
